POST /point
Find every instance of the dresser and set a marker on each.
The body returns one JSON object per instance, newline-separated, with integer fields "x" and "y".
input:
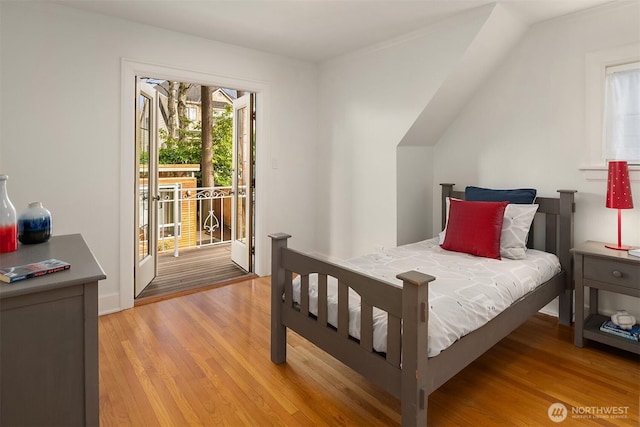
{"x": 49, "y": 338}
{"x": 599, "y": 268}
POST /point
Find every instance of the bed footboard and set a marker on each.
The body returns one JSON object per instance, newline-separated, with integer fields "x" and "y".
{"x": 402, "y": 371}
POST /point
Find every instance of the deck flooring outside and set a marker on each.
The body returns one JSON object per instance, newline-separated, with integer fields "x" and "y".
{"x": 193, "y": 269}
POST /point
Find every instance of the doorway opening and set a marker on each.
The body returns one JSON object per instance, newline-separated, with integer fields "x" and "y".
{"x": 195, "y": 186}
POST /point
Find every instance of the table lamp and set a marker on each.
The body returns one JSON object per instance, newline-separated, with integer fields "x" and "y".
{"x": 619, "y": 196}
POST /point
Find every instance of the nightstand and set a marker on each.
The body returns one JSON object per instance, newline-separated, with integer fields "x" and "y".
{"x": 597, "y": 267}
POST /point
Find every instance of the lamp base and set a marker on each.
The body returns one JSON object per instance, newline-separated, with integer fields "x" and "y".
{"x": 617, "y": 247}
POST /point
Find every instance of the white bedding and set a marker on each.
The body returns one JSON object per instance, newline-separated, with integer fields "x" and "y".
{"x": 468, "y": 290}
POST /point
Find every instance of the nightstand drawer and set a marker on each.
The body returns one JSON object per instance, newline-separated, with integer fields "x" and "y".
{"x": 614, "y": 272}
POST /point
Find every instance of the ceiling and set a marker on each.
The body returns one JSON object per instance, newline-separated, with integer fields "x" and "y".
{"x": 311, "y": 30}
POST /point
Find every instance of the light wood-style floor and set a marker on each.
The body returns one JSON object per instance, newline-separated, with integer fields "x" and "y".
{"x": 203, "y": 359}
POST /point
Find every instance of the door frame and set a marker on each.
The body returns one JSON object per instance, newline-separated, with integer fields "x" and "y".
{"x": 131, "y": 68}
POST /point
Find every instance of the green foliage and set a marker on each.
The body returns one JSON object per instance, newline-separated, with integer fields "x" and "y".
{"x": 182, "y": 150}
{"x": 186, "y": 149}
{"x": 222, "y": 147}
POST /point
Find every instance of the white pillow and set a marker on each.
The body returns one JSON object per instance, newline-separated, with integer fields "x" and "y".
{"x": 515, "y": 229}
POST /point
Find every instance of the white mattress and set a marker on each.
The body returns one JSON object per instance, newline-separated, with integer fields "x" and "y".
{"x": 468, "y": 290}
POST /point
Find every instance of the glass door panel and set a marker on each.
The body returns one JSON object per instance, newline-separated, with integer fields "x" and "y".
{"x": 143, "y": 175}
{"x": 240, "y": 206}
{"x": 146, "y": 246}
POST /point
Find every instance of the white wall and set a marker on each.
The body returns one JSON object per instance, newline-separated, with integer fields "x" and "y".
{"x": 526, "y": 126}
{"x": 367, "y": 101}
{"x": 60, "y": 135}
{"x": 415, "y": 185}
{"x": 60, "y": 139}
{"x": 495, "y": 39}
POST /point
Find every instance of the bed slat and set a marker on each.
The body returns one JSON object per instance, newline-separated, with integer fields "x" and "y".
{"x": 304, "y": 294}
{"x": 394, "y": 326}
{"x": 288, "y": 288}
{"x": 343, "y": 309}
{"x": 377, "y": 292}
{"x": 551, "y": 226}
{"x": 366, "y": 326}
{"x": 322, "y": 299}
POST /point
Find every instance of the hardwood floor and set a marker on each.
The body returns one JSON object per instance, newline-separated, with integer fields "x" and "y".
{"x": 203, "y": 359}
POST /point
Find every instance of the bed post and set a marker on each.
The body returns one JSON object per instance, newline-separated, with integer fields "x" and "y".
{"x": 565, "y": 304}
{"x": 415, "y": 317}
{"x": 278, "y": 330}
{"x": 446, "y": 190}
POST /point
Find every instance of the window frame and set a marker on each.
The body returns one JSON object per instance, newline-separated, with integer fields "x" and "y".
{"x": 594, "y": 164}
{"x": 192, "y": 111}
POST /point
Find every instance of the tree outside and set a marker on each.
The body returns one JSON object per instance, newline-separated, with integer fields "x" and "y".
{"x": 184, "y": 144}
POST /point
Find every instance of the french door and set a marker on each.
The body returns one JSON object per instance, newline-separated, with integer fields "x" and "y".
{"x": 242, "y": 201}
{"x": 147, "y": 189}
{"x": 146, "y": 204}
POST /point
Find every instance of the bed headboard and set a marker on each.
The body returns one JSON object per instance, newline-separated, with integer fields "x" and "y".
{"x": 558, "y": 234}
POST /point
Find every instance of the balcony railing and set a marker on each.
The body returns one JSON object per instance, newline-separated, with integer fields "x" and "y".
{"x": 193, "y": 217}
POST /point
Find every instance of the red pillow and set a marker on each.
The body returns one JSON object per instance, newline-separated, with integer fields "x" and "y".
{"x": 474, "y": 228}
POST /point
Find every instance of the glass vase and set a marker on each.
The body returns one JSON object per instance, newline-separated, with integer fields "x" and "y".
{"x": 34, "y": 224}
{"x": 8, "y": 224}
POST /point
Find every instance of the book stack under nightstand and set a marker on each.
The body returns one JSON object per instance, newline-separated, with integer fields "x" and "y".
{"x": 600, "y": 268}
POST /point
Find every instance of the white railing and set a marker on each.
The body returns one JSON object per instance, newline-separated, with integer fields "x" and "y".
{"x": 193, "y": 217}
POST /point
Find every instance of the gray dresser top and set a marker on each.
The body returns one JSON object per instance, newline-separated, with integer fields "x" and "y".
{"x": 70, "y": 248}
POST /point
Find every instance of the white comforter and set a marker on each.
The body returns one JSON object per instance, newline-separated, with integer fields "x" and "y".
{"x": 468, "y": 290}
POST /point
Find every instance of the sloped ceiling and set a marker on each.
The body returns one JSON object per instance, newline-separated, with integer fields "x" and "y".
{"x": 308, "y": 30}
{"x": 317, "y": 31}
{"x": 499, "y": 34}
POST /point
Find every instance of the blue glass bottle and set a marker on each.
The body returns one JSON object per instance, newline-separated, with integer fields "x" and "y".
{"x": 34, "y": 224}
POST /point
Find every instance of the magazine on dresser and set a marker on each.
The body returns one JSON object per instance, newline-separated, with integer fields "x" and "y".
{"x": 35, "y": 269}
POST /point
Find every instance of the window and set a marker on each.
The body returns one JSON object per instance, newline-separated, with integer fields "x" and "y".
{"x": 608, "y": 139}
{"x": 192, "y": 113}
{"x": 621, "y": 122}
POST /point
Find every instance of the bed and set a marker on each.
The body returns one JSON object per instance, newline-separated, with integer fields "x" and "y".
{"x": 315, "y": 298}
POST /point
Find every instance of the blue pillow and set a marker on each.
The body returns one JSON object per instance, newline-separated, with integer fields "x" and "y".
{"x": 523, "y": 196}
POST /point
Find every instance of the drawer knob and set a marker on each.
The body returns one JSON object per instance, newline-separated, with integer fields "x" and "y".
{"x": 616, "y": 273}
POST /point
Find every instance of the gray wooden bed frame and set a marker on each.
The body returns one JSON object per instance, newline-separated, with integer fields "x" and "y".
{"x": 405, "y": 371}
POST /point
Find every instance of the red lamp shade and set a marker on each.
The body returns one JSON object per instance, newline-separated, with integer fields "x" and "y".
{"x": 619, "y": 196}
{"x": 618, "y": 186}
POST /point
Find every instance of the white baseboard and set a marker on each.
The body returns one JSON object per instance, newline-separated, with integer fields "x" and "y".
{"x": 549, "y": 312}
{"x": 109, "y": 304}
